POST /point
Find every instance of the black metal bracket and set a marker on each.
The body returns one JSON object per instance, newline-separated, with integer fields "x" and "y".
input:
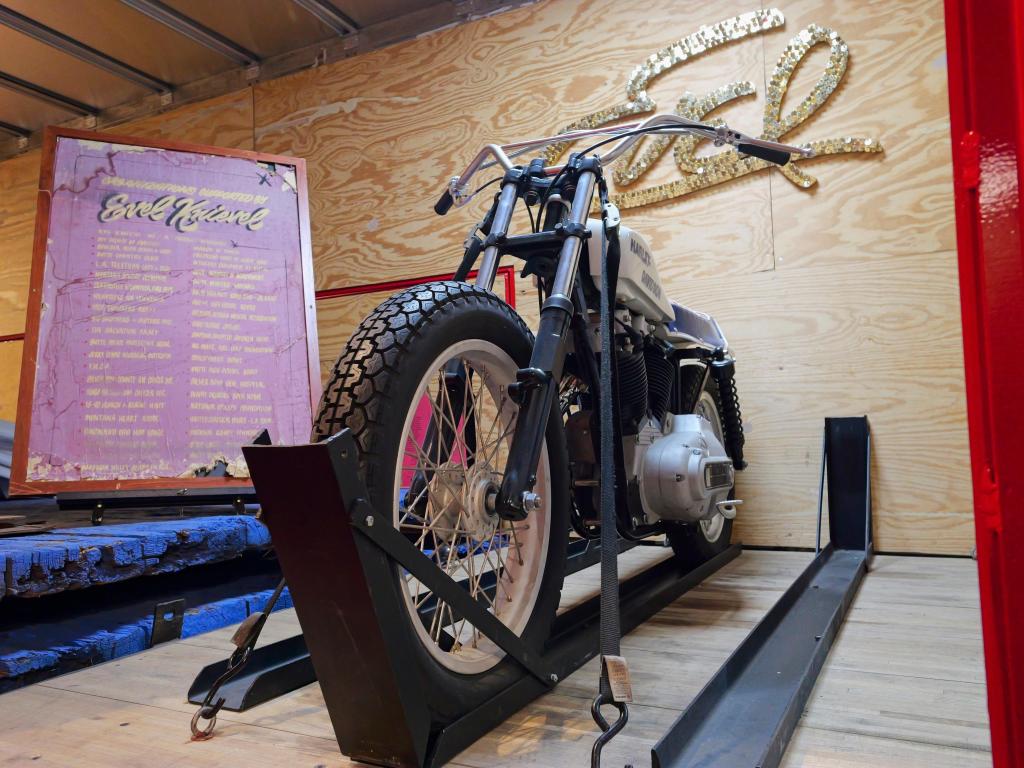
{"x": 168, "y": 619}
{"x": 766, "y": 682}
{"x": 272, "y": 670}
{"x": 401, "y": 550}
{"x": 340, "y": 571}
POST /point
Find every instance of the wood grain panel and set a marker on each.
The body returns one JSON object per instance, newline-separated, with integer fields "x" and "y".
{"x": 10, "y": 365}
{"x": 839, "y": 300}
{"x": 19, "y": 180}
{"x": 382, "y": 132}
{"x": 839, "y": 340}
{"x": 226, "y": 121}
{"x": 874, "y": 207}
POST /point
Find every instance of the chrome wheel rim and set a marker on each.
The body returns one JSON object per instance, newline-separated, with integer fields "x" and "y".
{"x": 499, "y": 562}
{"x": 711, "y": 528}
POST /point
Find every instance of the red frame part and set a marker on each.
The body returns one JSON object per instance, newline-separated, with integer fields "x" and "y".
{"x": 506, "y": 274}
{"x": 985, "y": 43}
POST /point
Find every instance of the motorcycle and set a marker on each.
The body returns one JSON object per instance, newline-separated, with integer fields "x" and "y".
{"x": 480, "y": 440}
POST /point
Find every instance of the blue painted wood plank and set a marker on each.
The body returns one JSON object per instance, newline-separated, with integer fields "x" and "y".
{"x": 74, "y": 644}
{"x": 76, "y": 558}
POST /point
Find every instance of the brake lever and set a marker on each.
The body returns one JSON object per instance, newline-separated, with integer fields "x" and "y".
{"x": 764, "y": 149}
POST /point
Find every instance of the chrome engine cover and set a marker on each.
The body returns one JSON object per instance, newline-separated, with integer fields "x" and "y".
{"x": 686, "y": 472}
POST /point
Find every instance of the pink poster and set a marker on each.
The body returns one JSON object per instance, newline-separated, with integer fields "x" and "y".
{"x": 173, "y": 317}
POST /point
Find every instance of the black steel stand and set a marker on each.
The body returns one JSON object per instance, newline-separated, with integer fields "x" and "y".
{"x": 284, "y": 666}
{"x": 746, "y": 714}
{"x": 338, "y": 555}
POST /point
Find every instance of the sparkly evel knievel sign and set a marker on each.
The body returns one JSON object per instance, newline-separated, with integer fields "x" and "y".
{"x": 702, "y": 172}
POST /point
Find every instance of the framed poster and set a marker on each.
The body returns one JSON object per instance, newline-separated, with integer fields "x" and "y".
{"x": 171, "y": 315}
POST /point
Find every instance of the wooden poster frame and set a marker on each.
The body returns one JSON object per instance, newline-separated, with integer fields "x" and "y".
{"x": 20, "y": 485}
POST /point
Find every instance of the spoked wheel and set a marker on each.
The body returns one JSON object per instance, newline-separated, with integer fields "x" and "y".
{"x": 455, "y": 450}
{"x": 423, "y": 385}
{"x": 695, "y": 543}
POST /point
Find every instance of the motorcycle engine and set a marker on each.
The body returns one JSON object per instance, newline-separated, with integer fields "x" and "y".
{"x": 675, "y": 463}
{"x": 684, "y": 474}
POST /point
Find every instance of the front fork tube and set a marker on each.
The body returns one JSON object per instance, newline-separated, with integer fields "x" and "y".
{"x": 537, "y": 386}
{"x": 535, "y": 390}
{"x": 499, "y": 230}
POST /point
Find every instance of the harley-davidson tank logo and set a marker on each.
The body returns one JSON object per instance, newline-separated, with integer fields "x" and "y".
{"x": 702, "y": 172}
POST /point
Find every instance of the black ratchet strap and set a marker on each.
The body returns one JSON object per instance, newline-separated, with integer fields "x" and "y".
{"x": 614, "y": 686}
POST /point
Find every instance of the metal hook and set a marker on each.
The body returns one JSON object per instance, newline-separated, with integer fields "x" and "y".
{"x": 608, "y": 732}
{"x": 206, "y": 713}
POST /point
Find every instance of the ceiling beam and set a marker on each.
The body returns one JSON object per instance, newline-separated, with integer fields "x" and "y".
{"x": 33, "y": 91}
{"x": 14, "y": 130}
{"x": 441, "y": 14}
{"x": 192, "y": 29}
{"x": 79, "y": 50}
{"x": 330, "y": 15}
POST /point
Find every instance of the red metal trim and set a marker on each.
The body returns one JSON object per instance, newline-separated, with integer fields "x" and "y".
{"x": 506, "y": 273}
{"x": 985, "y": 47}
{"x": 12, "y": 337}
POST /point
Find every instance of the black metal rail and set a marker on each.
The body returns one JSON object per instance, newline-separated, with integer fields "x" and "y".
{"x": 745, "y": 716}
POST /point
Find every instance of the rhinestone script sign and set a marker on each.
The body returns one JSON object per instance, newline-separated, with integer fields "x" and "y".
{"x": 702, "y": 172}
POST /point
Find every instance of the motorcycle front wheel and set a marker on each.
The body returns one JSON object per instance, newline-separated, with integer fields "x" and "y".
{"x": 423, "y": 385}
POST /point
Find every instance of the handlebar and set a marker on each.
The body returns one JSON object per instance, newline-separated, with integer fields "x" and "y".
{"x": 491, "y": 155}
{"x": 442, "y": 206}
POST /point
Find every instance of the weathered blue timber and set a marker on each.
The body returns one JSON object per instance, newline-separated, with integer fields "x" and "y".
{"x": 76, "y": 558}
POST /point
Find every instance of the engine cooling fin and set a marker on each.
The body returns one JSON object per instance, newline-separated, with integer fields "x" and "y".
{"x": 632, "y": 375}
{"x": 659, "y": 381}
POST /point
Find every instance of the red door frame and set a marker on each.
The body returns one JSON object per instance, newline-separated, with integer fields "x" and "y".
{"x": 985, "y": 44}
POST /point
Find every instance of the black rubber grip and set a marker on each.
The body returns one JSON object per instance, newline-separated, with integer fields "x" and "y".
{"x": 442, "y": 206}
{"x": 771, "y": 155}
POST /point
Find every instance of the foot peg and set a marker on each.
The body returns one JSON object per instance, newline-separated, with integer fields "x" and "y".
{"x": 727, "y": 507}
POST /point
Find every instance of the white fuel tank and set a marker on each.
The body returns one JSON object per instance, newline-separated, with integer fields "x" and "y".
{"x": 639, "y": 285}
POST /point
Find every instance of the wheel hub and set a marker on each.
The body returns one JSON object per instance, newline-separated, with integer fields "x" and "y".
{"x": 481, "y": 519}
{"x": 461, "y": 500}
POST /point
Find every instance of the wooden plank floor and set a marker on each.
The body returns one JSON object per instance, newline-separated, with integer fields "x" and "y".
{"x": 903, "y": 686}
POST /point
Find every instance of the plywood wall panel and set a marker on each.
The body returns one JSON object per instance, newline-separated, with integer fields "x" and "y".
{"x": 826, "y": 341}
{"x": 19, "y": 180}
{"x": 382, "y": 132}
{"x": 871, "y": 207}
{"x": 10, "y": 365}
{"x": 226, "y": 121}
{"x": 839, "y": 300}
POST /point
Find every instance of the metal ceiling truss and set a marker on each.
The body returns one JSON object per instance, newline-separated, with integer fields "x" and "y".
{"x": 21, "y": 133}
{"x": 25, "y": 88}
{"x": 192, "y": 29}
{"x": 79, "y": 50}
{"x": 329, "y": 15}
{"x": 351, "y": 40}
